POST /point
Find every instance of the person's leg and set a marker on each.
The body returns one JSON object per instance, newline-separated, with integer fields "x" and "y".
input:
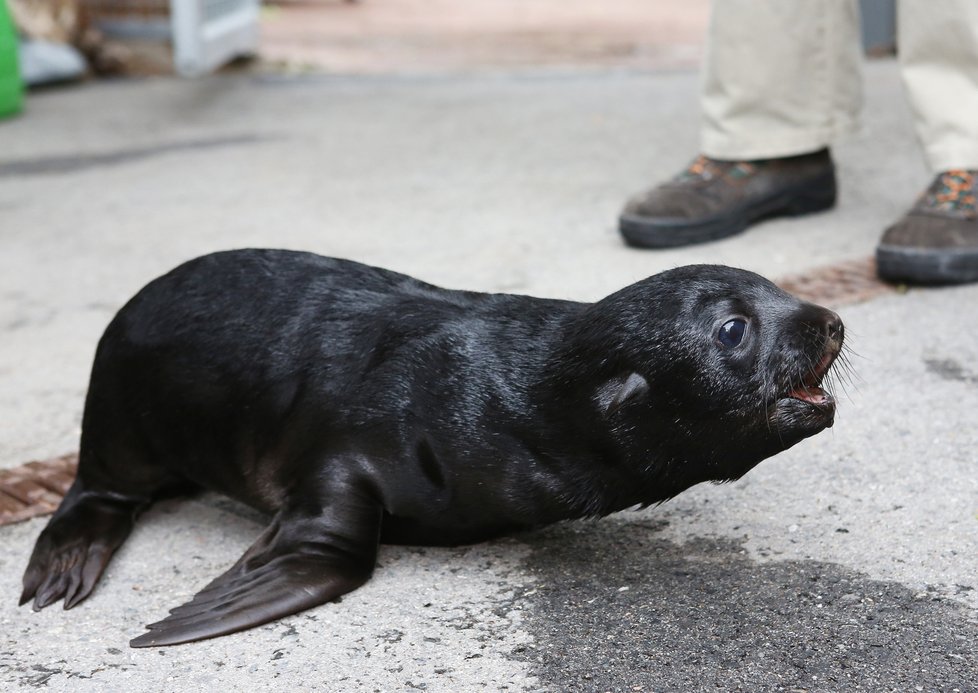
{"x": 780, "y": 78}
{"x": 780, "y": 82}
{"x": 938, "y": 53}
{"x": 937, "y": 241}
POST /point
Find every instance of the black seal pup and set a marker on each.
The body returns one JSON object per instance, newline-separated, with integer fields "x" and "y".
{"x": 359, "y": 406}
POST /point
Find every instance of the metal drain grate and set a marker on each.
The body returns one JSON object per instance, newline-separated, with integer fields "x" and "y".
{"x": 35, "y": 488}
{"x": 840, "y": 284}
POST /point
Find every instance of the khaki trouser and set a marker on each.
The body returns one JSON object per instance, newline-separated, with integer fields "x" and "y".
{"x": 782, "y": 77}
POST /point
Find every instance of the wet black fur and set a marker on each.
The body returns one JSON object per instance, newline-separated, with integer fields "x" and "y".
{"x": 359, "y": 404}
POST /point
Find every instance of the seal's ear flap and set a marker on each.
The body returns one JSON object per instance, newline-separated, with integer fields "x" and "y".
{"x": 619, "y": 390}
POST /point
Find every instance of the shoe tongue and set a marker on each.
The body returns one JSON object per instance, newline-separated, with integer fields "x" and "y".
{"x": 742, "y": 169}
{"x": 953, "y": 193}
{"x": 701, "y": 167}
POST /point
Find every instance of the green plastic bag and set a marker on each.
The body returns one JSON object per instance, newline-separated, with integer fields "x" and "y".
{"x": 11, "y": 87}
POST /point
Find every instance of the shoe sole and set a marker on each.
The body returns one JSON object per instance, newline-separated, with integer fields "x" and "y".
{"x": 900, "y": 264}
{"x": 815, "y": 195}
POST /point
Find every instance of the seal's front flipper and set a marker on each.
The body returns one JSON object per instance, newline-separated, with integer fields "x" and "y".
{"x": 73, "y": 550}
{"x": 299, "y": 562}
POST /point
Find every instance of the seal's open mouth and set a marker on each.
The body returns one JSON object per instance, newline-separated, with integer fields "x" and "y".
{"x": 809, "y": 388}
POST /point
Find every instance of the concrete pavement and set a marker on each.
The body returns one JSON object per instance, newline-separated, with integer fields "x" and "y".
{"x": 847, "y": 563}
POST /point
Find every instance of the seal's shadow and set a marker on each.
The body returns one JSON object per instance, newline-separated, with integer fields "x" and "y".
{"x": 619, "y": 606}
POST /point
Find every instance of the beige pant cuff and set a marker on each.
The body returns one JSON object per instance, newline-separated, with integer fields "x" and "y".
{"x": 962, "y": 155}
{"x": 766, "y": 146}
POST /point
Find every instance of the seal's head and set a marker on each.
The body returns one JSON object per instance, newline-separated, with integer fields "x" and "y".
{"x": 708, "y": 370}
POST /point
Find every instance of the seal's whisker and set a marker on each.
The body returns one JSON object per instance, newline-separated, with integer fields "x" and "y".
{"x": 805, "y": 371}
{"x": 768, "y": 398}
{"x": 832, "y": 384}
{"x": 844, "y": 371}
{"x": 845, "y": 356}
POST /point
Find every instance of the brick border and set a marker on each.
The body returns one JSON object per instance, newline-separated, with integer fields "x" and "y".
{"x": 844, "y": 283}
{"x": 35, "y": 488}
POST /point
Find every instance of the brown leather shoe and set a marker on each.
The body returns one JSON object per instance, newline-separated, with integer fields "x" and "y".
{"x": 714, "y": 199}
{"x": 937, "y": 241}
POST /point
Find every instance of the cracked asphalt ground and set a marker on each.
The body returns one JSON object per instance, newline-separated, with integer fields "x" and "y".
{"x": 847, "y": 563}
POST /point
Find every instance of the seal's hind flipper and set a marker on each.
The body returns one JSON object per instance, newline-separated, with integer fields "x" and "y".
{"x": 295, "y": 565}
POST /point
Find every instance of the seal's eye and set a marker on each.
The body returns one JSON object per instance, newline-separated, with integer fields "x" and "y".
{"x": 732, "y": 332}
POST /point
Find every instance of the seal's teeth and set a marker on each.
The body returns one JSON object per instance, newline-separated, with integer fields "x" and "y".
{"x": 813, "y": 395}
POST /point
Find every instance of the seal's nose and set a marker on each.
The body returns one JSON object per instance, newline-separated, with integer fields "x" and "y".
{"x": 834, "y": 329}
{"x": 821, "y": 324}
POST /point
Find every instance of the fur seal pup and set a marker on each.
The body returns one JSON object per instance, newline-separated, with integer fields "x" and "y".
{"x": 357, "y": 405}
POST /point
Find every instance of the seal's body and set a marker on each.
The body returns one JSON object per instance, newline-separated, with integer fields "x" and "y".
{"x": 358, "y": 406}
